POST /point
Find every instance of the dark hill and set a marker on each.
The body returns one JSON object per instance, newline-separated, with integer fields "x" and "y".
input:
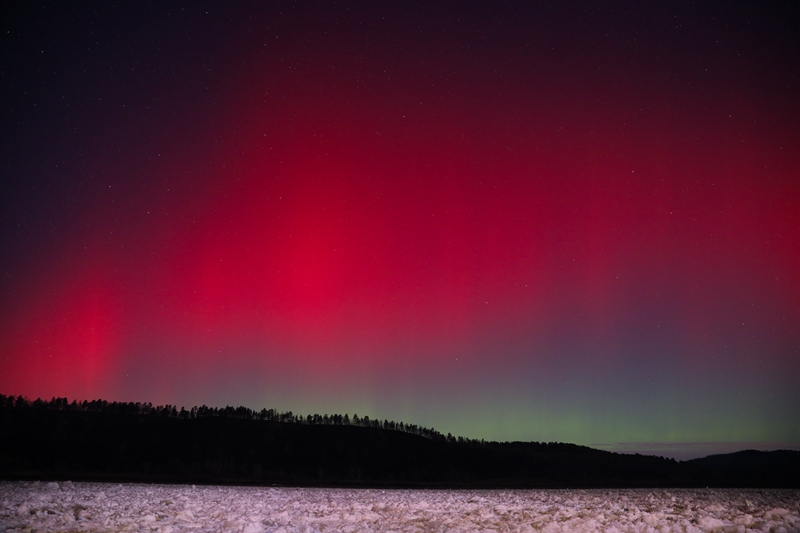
{"x": 47, "y": 443}
{"x": 752, "y": 468}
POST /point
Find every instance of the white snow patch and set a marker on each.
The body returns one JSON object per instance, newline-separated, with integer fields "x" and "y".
{"x": 102, "y": 507}
{"x": 710, "y": 524}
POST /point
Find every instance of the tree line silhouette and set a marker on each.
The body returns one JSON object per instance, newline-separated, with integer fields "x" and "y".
{"x": 243, "y": 413}
{"x": 127, "y": 441}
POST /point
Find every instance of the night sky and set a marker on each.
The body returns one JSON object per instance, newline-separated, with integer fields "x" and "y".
{"x": 575, "y": 222}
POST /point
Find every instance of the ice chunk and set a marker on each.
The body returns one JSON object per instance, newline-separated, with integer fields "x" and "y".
{"x": 775, "y": 513}
{"x": 185, "y": 515}
{"x": 709, "y": 523}
{"x": 253, "y": 527}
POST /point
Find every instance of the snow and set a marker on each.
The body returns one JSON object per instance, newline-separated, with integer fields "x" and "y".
{"x": 33, "y": 507}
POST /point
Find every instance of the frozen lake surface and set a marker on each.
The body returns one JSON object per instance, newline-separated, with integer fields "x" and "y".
{"x": 74, "y": 507}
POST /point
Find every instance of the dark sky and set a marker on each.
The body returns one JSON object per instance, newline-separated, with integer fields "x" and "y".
{"x": 575, "y": 221}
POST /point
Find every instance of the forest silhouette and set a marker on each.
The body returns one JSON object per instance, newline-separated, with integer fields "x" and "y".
{"x": 126, "y": 441}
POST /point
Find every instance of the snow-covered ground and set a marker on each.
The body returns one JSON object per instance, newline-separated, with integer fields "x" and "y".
{"x": 74, "y": 507}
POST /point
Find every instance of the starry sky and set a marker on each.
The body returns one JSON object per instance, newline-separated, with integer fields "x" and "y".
{"x": 568, "y": 221}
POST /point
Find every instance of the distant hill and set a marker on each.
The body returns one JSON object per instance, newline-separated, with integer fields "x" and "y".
{"x": 123, "y": 442}
{"x": 752, "y": 468}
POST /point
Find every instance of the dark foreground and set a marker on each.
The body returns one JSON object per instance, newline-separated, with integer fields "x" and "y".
{"x": 79, "y": 445}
